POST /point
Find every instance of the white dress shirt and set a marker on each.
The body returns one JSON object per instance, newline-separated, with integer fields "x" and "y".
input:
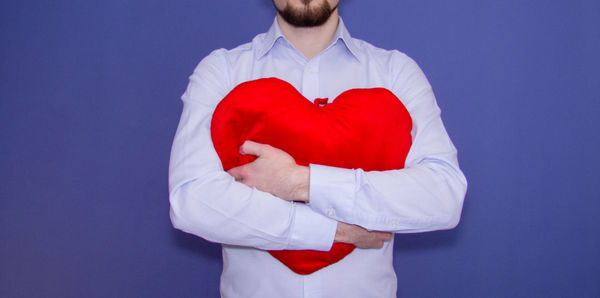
{"x": 206, "y": 201}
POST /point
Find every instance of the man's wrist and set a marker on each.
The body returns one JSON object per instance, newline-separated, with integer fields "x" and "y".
{"x": 301, "y": 184}
{"x": 343, "y": 233}
{"x": 339, "y": 233}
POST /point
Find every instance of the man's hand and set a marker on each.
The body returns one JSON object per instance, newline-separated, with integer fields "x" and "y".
{"x": 360, "y": 237}
{"x": 274, "y": 171}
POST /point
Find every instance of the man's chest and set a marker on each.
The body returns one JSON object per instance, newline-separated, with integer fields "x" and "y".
{"x": 321, "y": 77}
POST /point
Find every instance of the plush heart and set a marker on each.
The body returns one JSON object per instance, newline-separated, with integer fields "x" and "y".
{"x": 362, "y": 128}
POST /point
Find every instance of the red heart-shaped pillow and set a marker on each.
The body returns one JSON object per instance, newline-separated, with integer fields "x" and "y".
{"x": 362, "y": 128}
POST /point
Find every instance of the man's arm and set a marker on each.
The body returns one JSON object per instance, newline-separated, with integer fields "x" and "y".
{"x": 426, "y": 195}
{"x": 207, "y": 202}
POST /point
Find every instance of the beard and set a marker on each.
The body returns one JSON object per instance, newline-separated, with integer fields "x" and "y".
{"x": 307, "y": 16}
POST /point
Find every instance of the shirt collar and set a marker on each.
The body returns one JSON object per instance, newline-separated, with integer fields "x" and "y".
{"x": 275, "y": 33}
{"x": 343, "y": 35}
{"x": 267, "y": 43}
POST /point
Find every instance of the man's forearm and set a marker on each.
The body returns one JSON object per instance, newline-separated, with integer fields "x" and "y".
{"x": 360, "y": 237}
{"x": 205, "y": 201}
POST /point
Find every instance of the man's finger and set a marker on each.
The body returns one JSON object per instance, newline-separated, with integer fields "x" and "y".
{"x": 252, "y": 148}
{"x": 377, "y": 239}
{"x": 236, "y": 173}
{"x": 385, "y": 236}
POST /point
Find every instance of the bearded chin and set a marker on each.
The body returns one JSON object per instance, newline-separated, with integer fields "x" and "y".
{"x": 307, "y": 17}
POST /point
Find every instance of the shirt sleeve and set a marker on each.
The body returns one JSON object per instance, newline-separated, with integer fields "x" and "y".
{"x": 426, "y": 195}
{"x": 207, "y": 202}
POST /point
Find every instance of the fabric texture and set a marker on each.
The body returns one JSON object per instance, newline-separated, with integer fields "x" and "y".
{"x": 363, "y": 128}
{"x": 205, "y": 201}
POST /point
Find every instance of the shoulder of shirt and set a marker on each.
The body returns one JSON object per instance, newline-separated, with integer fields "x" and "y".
{"x": 371, "y": 51}
{"x": 243, "y": 51}
{"x": 393, "y": 60}
{"x": 221, "y": 62}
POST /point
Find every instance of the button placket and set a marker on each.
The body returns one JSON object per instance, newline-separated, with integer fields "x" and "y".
{"x": 310, "y": 79}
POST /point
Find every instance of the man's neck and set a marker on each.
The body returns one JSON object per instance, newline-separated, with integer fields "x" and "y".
{"x": 310, "y": 41}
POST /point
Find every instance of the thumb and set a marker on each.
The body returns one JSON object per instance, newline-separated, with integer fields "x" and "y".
{"x": 236, "y": 172}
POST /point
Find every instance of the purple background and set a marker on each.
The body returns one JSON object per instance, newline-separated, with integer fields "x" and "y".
{"x": 89, "y": 103}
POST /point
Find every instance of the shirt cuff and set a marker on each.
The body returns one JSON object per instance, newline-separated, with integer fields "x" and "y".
{"x": 331, "y": 192}
{"x": 311, "y": 230}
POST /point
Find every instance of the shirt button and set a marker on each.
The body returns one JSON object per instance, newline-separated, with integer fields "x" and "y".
{"x": 330, "y": 212}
